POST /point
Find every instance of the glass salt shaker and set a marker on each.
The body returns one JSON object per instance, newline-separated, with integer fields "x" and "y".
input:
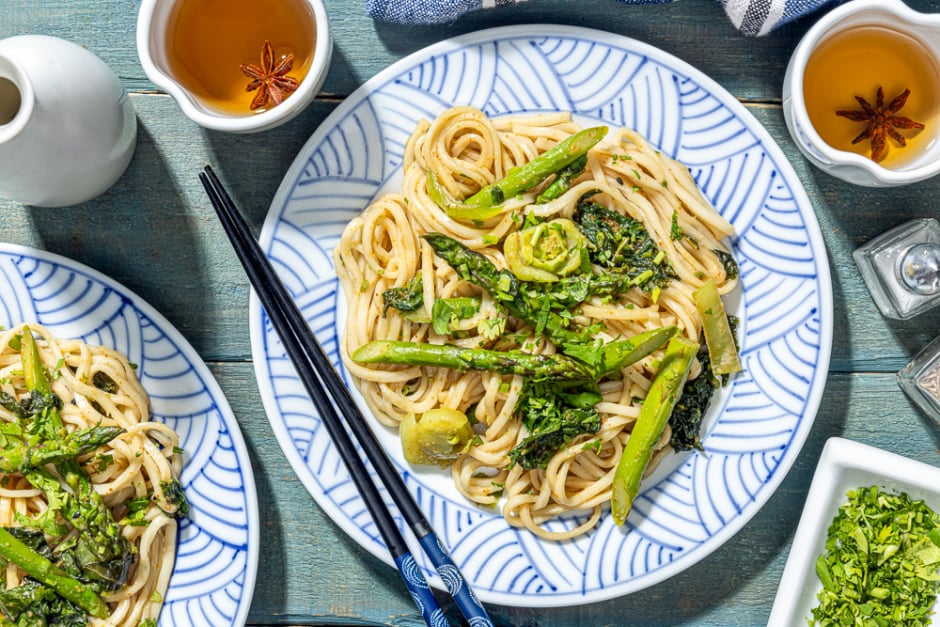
{"x": 901, "y": 268}
{"x": 920, "y": 380}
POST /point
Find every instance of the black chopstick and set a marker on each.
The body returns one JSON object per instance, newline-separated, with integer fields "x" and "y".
{"x": 316, "y": 372}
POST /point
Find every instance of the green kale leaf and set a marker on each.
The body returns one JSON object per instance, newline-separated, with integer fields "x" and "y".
{"x": 408, "y": 297}
{"x": 554, "y": 415}
{"x": 622, "y": 243}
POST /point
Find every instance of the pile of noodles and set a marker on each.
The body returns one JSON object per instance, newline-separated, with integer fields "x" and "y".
{"x": 141, "y": 462}
{"x": 382, "y": 248}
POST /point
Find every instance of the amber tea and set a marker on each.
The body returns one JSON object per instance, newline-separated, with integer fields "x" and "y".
{"x": 211, "y": 41}
{"x": 10, "y": 101}
{"x": 855, "y": 64}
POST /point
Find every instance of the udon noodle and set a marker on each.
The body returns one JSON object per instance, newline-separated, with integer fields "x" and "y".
{"x": 382, "y": 248}
{"x": 140, "y": 465}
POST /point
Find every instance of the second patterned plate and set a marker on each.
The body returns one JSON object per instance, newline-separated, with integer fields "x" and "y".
{"x": 695, "y": 501}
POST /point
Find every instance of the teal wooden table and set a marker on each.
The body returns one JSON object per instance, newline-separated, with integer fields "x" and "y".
{"x": 155, "y": 233}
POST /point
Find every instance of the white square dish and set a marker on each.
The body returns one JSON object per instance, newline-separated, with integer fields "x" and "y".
{"x": 844, "y": 465}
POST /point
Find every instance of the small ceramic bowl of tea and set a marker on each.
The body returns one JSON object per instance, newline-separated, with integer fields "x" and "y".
{"x": 239, "y": 66}
{"x": 861, "y": 96}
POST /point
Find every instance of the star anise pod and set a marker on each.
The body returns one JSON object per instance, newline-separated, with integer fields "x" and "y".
{"x": 881, "y": 122}
{"x": 270, "y": 79}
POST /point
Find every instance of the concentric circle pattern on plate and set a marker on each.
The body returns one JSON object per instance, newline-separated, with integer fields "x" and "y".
{"x": 217, "y": 556}
{"x": 754, "y": 430}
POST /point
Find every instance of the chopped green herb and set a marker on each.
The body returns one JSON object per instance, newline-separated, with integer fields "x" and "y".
{"x": 137, "y": 512}
{"x": 491, "y": 328}
{"x": 880, "y": 565}
{"x": 675, "y": 233}
{"x": 593, "y": 445}
{"x": 446, "y": 311}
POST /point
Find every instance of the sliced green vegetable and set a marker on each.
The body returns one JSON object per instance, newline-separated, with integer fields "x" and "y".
{"x": 34, "y": 372}
{"x": 438, "y": 436}
{"x": 721, "y": 345}
{"x": 581, "y": 362}
{"x": 615, "y": 356}
{"x": 563, "y": 179}
{"x": 665, "y": 389}
{"x": 455, "y": 208}
{"x": 547, "y": 252}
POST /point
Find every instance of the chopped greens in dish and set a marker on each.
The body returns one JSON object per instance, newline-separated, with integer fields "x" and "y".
{"x": 881, "y": 564}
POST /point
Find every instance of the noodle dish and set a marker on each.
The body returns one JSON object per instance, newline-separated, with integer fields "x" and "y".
{"x": 539, "y": 310}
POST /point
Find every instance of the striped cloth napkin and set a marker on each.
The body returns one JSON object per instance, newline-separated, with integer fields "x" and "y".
{"x": 751, "y": 17}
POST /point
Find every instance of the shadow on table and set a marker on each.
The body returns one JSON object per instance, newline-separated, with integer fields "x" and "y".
{"x": 140, "y": 234}
{"x": 245, "y": 162}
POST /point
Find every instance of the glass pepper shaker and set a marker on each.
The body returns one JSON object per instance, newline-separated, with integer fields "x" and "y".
{"x": 901, "y": 268}
{"x": 920, "y": 380}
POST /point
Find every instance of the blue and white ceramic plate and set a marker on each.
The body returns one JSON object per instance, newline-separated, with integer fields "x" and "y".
{"x": 217, "y": 555}
{"x": 695, "y": 501}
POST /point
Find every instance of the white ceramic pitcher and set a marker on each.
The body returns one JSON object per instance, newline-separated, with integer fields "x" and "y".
{"x": 67, "y": 127}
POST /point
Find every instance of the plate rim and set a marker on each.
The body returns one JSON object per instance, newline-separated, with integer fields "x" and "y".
{"x": 781, "y": 163}
{"x": 253, "y": 550}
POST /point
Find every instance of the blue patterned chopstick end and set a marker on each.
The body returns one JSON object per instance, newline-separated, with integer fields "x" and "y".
{"x": 457, "y": 586}
{"x": 420, "y": 592}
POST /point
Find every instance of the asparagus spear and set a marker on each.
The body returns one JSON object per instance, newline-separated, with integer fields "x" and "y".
{"x": 528, "y": 175}
{"x": 44, "y": 571}
{"x": 19, "y": 455}
{"x": 486, "y": 202}
{"x": 504, "y": 286}
{"x": 662, "y": 396}
{"x": 563, "y": 180}
{"x": 539, "y": 367}
{"x": 102, "y": 550}
{"x": 615, "y": 356}
{"x": 458, "y": 209}
{"x": 717, "y": 329}
{"x": 33, "y": 373}
{"x": 585, "y": 363}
